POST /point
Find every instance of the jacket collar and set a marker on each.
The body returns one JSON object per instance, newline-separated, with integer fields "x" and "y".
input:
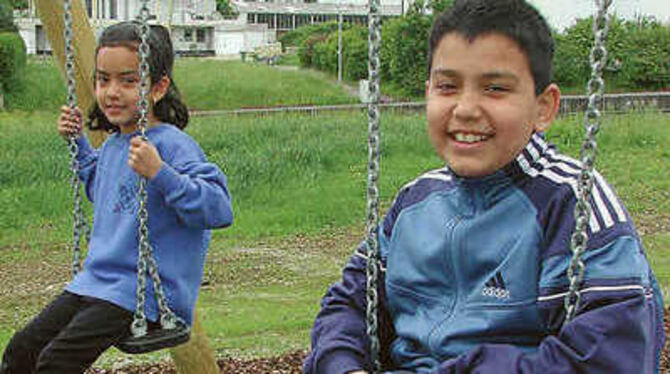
{"x": 517, "y": 169}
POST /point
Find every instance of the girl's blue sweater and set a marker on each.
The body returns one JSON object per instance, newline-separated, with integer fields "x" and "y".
{"x": 186, "y": 198}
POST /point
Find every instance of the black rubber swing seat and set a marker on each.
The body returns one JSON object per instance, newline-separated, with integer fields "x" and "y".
{"x": 155, "y": 339}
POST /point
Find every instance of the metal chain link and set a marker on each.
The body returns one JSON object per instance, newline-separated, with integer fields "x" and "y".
{"x": 145, "y": 259}
{"x": 372, "y": 226}
{"x": 589, "y": 151}
{"x": 79, "y": 221}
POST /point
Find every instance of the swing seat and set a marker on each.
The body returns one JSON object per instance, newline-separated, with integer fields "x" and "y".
{"x": 155, "y": 339}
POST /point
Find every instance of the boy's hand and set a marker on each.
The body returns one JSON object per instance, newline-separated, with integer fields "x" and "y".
{"x": 358, "y": 372}
{"x": 69, "y": 122}
{"x": 144, "y": 158}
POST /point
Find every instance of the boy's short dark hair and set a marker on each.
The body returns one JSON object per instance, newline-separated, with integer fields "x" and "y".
{"x": 515, "y": 19}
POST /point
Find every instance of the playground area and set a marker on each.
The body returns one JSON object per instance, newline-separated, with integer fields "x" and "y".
{"x": 293, "y": 145}
{"x": 298, "y": 183}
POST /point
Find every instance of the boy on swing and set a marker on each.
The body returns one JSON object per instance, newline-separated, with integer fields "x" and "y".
{"x": 475, "y": 256}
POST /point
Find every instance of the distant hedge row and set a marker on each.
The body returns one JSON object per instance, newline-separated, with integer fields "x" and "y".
{"x": 12, "y": 49}
{"x": 637, "y": 60}
{"x": 12, "y": 59}
{"x": 638, "y": 54}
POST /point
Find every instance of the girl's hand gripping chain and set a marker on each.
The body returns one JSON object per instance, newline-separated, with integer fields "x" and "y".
{"x": 69, "y": 122}
{"x": 144, "y": 158}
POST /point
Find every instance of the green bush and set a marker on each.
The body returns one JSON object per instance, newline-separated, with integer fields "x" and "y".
{"x": 325, "y": 57}
{"x": 6, "y": 16}
{"x": 354, "y": 53}
{"x": 12, "y": 59}
{"x": 648, "y": 63}
{"x": 637, "y": 54}
{"x": 404, "y": 52}
{"x": 569, "y": 67}
{"x": 297, "y": 37}
{"x": 307, "y": 47}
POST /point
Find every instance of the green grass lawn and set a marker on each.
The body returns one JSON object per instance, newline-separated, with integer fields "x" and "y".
{"x": 298, "y": 184}
{"x": 205, "y": 84}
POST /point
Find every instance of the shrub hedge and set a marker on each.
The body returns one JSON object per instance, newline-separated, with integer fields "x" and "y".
{"x": 638, "y": 53}
{"x": 12, "y": 59}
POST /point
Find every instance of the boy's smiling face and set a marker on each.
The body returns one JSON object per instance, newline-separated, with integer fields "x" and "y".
{"x": 481, "y": 104}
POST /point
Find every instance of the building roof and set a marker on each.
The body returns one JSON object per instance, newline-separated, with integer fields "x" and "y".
{"x": 312, "y": 8}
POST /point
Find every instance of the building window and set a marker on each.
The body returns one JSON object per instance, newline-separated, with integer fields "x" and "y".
{"x": 188, "y": 35}
{"x": 301, "y": 19}
{"x": 200, "y": 35}
{"x": 250, "y": 18}
{"x": 113, "y": 9}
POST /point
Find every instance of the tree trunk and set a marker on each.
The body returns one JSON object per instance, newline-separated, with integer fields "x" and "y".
{"x": 196, "y": 356}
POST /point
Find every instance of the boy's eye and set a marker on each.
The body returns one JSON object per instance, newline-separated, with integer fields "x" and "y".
{"x": 496, "y": 88}
{"x": 446, "y": 86}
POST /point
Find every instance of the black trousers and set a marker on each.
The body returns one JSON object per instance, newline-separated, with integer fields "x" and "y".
{"x": 66, "y": 337}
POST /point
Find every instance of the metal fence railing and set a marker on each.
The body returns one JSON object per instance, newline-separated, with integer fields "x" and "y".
{"x": 619, "y": 103}
{"x": 570, "y": 105}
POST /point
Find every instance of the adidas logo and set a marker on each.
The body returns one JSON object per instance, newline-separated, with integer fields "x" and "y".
{"x": 495, "y": 287}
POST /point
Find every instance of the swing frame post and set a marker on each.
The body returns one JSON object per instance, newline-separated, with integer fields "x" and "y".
{"x": 196, "y": 356}
{"x": 51, "y": 15}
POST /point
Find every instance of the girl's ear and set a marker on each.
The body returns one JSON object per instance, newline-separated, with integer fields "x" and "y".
{"x": 160, "y": 88}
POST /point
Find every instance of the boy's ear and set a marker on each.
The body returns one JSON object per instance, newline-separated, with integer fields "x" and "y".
{"x": 160, "y": 88}
{"x": 548, "y": 103}
{"x": 427, "y": 89}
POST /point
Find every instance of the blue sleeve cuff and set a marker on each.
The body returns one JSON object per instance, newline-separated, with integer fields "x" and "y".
{"x": 340, "y": 362}
{"x": 85, "y": 147}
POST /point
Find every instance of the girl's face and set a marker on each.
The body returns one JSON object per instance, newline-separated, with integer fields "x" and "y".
{"x": 117, "y": 81}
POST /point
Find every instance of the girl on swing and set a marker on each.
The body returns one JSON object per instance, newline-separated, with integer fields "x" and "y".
{"x": 187, "y": 196}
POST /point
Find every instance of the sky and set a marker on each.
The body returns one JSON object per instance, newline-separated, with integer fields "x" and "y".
{"x": 562, "y": 13}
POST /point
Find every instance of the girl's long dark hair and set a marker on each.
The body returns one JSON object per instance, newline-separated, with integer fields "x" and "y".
{"x": 170, "y": 108}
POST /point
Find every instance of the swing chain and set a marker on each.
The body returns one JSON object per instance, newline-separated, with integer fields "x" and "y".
{"x": 79, "y": 222}
{"x": 589, "y": 151}
{"x": 372, "y": 226}
{"x": 145, "y": 257}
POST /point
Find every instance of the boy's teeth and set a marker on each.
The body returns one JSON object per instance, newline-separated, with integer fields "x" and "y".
{"x": 469, "y": 138}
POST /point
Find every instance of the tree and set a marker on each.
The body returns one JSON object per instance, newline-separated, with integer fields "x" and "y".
{"x": 6, "y": 16}
{"x": 19, "y": 4}
{"x": 225, "y": 7}
{"x": 573, "y": 46}
{"x": 404, "y": 52}
{"x": 637, "y": 54}
{"x": 439, "y": 6}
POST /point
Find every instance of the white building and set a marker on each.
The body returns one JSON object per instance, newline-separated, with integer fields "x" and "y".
{"x": 285, "y": 15}
{"x": 197, "y": 28}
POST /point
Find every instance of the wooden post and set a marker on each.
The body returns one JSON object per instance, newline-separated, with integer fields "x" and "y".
{"x": 196, "y": 356}
{"x": 51, "y": 14}
{"x": 2, "y": 98}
